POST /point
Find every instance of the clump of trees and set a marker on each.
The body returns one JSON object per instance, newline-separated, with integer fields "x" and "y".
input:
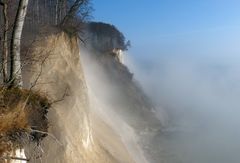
{"x": 24, "y": 18}
{"x": 106, "y": 37}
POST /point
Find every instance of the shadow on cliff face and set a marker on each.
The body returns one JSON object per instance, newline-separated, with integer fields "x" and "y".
{"x": 201, "y": 97}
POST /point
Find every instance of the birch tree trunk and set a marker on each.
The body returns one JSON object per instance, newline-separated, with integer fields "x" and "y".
{"x": 15, "y": 68}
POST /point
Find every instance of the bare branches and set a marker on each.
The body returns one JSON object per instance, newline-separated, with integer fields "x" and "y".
{"x": 62, "y": 98}
{"x": 74, "y": 10}
{"x": 40, "y": 73}
{"x": 14, "y": 158}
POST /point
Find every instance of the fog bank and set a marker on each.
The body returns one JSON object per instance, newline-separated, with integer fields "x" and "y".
{"x": 201, "y": 96}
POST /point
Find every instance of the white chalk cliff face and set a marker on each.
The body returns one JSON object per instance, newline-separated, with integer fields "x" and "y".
{"x": 118, "y": 53}
{"x": 72, "y": 137}
{"x": 123, "y": 104}
{"x": 99, "y": 115}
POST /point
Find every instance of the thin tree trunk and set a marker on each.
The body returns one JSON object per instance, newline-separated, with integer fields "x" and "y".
{"x": 15, "y": 68}
{"x": 56, "y": 12}
{"x": 65, "y": 6}
{"x": 61, "y": 10}
{"x": 5, "y": 42}
{"x": 38, "y": 12}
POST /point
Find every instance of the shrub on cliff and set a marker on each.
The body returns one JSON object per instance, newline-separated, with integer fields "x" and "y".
{"x": 23, "y": 119}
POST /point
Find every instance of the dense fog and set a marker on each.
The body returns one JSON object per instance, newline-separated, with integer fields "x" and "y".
{"x": 201, "y": 95}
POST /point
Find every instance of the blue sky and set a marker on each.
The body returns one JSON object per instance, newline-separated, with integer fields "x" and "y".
{"x": 175, "y": 27}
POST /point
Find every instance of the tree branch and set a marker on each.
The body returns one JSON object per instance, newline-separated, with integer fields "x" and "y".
{"x": 49, "y": 134}
{"x": 14, "y": 158}
{"x": 73, "y": 11}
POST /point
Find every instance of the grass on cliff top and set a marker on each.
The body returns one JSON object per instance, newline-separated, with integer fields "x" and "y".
{"x": 22, "y": 114}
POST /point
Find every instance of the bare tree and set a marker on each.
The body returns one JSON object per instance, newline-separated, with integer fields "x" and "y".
{"x": 74, "y": 10}
{"x": 15, "y": 67}
{"x": 60, "y": 10}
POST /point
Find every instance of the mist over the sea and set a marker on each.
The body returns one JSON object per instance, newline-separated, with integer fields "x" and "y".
{"x": 199, "y": 87}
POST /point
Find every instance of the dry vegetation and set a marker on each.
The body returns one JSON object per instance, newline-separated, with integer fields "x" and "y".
{"x": 23, "y": 119}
